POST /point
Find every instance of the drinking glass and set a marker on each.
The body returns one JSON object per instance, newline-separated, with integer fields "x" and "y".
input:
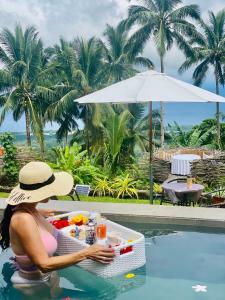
{"x": 101, "y": 230}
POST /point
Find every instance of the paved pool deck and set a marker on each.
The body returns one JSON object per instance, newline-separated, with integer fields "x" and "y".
{"x": 142, "y": 213}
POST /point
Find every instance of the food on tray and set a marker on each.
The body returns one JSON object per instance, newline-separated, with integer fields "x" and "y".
{"x": 59, "y": 224}
{"x": 74, "y": 232}
{"x": 82, "y": 229}
{"x": 79, "y": 220}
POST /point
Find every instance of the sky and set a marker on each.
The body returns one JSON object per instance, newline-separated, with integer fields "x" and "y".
{"x": 87, "y": 18}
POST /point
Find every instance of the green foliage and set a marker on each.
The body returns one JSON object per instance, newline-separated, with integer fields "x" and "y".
{"x": 165, "y": 21}
{"x": 208, "y": 49}
{"x": 119, "y": 58}
{"x": 68, "y": 158}
{"x": 115, "y": 131}
{"x": 103, "y": 187}
{"x": 23, "y": 87}
{"x": 87, "y": 173}
{"x": 10, "y": 167}
{"x": 202, "y": 135}
{"x": 74, "y": 160}
{"x": 124, "y": 186}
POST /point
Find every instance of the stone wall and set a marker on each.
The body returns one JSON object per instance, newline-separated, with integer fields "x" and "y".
{"x": 161, "y": 168}
{"x": 24, "y": 156}
{"x": 209, "y": 171}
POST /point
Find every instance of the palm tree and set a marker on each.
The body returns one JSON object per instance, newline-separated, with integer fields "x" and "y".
{"x": 209, "y": 50}
{"x": 22, "y": 87}
{"x": 63, "y": 110}
{"x": 115, "y": 134}
{"x": 120, "y": 59}
{"x": 89, "y": 56}
{"x": 165, "y": 21}
{"x": 78, "y": 64}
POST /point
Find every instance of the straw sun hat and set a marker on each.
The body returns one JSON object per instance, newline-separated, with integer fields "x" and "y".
{"x": 38, "y": 182}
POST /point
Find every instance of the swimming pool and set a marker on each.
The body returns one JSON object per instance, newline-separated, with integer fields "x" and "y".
{"x": 182, "y": 263}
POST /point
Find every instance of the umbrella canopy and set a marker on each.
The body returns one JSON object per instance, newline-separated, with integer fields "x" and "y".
{"x": 151, "y": 86}
{"x": 147, "y": 87}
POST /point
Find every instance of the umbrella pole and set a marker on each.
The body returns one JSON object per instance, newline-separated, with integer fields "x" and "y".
{"x": 150, "y": 155}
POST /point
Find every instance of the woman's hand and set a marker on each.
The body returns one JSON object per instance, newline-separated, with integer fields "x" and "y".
{"x": 101, "y": 253}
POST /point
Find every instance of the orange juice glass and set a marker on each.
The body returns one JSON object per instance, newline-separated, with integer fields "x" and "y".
{"x": 189, "y": 182}
{"x": 101, "y": 231}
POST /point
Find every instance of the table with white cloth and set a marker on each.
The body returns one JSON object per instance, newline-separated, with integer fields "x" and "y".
{"x": 181, "y": 163}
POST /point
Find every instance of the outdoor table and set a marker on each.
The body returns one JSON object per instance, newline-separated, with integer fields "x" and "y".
{"x": 184, "y": 193}
{"x": 181, "y": 163}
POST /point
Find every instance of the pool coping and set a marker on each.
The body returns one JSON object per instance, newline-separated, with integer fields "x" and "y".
{"x": 142, "y": 213}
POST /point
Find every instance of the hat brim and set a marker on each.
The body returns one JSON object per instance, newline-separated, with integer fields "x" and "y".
{"x": 61, "y": 186}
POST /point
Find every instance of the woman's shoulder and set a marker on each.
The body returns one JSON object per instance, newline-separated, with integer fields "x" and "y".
{"x": 21, "y": 217}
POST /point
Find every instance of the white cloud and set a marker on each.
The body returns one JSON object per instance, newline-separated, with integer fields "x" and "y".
{"x": 69, "y": 18}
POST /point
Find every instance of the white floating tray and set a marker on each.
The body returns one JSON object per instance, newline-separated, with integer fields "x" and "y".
{"x": 122, "y": 263}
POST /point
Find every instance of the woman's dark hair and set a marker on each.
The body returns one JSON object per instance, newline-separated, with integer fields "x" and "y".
{"x": 4, "y": 227}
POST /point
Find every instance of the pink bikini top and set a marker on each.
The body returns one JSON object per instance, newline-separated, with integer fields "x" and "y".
{"x": 49, "y": 240}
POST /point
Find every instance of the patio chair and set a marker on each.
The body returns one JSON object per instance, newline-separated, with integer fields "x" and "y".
{"x": 80, "y": 189}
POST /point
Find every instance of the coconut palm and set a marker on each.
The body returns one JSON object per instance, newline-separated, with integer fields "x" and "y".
{"x": 119, "y": 58}
{"x": 209, "y": 51}
{"x": 165, "y": 21}
{"x": 78, "y": 64}
{"x": 63, "y": 109}
{"x": 23, "y": 90}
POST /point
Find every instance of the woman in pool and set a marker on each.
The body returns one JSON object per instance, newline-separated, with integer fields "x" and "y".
{"x": 33, "y": 239}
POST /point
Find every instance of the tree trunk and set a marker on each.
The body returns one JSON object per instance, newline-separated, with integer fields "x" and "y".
{"x": 162, "y": 132}
{"x": 27, "y": 117}
{"x": 218, "y": 115}
{"x": 66, "y": 138}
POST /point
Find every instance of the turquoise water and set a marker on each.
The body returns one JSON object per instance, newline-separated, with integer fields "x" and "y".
{"x": 177, "y": 259}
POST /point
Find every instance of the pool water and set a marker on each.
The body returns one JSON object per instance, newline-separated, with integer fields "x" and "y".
{"x": 178, "y": 259}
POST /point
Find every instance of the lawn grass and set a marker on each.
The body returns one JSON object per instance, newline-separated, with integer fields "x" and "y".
{"x": 3, "y": 195}
{"x": 99, "y": 199}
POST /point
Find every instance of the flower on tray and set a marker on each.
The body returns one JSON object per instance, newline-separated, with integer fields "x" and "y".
{"x": 59, "y": 224}
{"x": 130, "y": 275}
{"x": 79, "y": 220}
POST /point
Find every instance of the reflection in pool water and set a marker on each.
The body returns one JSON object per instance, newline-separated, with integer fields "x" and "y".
{"x": 177, "y": 259}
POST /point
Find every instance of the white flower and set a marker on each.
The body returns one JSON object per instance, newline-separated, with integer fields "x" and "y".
{"x": 199, "y": 288}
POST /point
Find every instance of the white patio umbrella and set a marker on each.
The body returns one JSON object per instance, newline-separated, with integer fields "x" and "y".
{"x": 150, "y": 86}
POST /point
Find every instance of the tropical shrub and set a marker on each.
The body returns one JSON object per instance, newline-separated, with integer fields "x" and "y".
{"x": 10, "y": 167}
{"x": 125, "y": 186}
{"x": 74, "y": 160}
{"x": 86, "y": 173}
{"x": 157, "y": 189}
{"x": 67, "y": 158}
{"x": 103, "y": 187}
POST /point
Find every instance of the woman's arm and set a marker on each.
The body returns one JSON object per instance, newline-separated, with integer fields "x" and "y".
{"x": 25, "y": 227}
{"x": 46, "y": 212}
